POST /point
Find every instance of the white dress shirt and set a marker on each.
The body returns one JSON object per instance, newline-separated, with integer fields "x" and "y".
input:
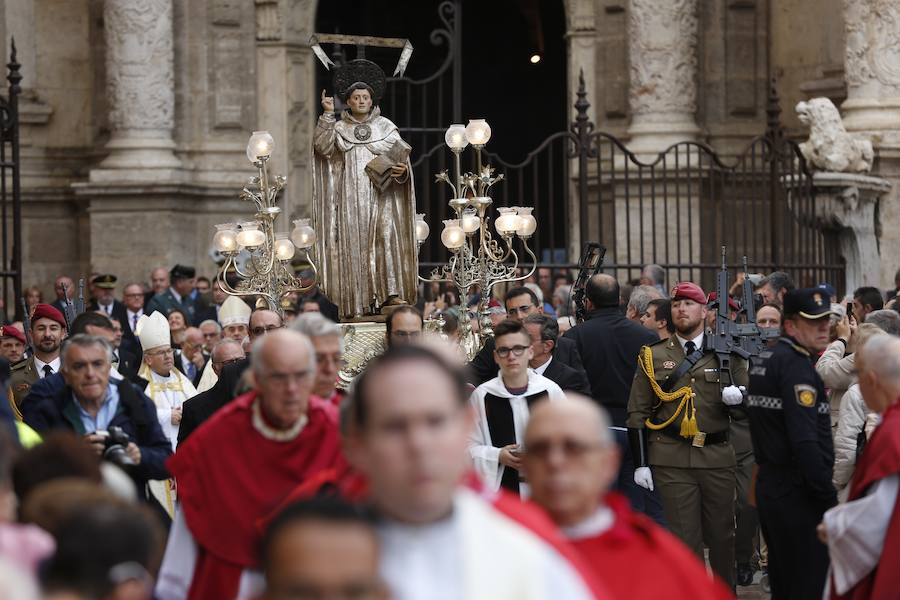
{"x": 39, "y": 365}
{"x": 540, "y": 370}
{"x": 698, "y": 341}
{"x": 133, "y": 317}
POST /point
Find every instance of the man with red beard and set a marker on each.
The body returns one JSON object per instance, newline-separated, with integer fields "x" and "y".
{"x": 572, "y": 459}
{"x": 239, "y": 466}
{"x": 864, "y": 533}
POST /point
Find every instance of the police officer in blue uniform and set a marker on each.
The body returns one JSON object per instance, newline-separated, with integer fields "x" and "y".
{"x": 790, "y": 426}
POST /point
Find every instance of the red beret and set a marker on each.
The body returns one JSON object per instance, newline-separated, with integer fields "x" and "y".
{"x": 45, "y": 311}
{"x": 689, "y": 291}
{"x": 13, "y": 332}
{"x": 731, "y": 302}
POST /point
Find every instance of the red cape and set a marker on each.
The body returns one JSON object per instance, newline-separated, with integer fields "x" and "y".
{"x": 229, "y": 476}
{"x": 638, "y": 559}
{"x": 880, "y": 459}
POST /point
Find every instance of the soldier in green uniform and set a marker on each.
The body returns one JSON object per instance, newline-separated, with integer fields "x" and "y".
{"x": 178, "y": 295}
{"x": 679, "y": 413}
{"x": 48, "y": 328}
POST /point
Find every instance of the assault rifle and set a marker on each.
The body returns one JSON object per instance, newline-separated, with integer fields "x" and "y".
{"x": 26, "y": 323}
{"x": 753, "y": 337}
{"x": 79, "y": 306}
{"x": 68, "y": 309}
{"x": 591, "y": 260}
{"x": 726, "y": 339}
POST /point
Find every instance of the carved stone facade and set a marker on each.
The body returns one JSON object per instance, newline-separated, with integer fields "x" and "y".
{"x": 135, "y": 113}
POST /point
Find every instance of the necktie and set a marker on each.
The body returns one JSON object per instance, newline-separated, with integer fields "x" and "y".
{"x": 48, "y": 370}
{"x": 689, "y": 348}
{"x": 192, "y": 371}
{"x": 134, "y": 320}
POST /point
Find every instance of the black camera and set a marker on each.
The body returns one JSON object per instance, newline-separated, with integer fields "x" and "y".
{"x": 114, "y": 448}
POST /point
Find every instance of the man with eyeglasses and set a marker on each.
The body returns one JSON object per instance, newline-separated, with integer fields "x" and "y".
{"x": 572, "y": 459}
{"x": 404, "y": 325}
{"x": 202, "y": 406}
{"x": 501, "y": 408}
{"x": 328, "y": 342}
{"x": 234, "y": 471}
{"x": 521, "y": 302}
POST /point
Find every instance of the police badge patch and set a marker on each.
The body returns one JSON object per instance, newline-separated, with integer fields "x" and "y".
{"x": 805, "y": 394}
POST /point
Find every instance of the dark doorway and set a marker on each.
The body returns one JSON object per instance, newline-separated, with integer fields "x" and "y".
{"x": 523, "y": 101}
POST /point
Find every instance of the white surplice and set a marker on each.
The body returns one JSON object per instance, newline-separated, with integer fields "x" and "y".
{"x": 168, "y": 393}
{"x": 476, "y": 553}
{"x": 856, "y": 532}
{"x": 485, "y": 456}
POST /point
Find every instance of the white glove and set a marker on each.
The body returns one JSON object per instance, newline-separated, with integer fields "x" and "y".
{"x": 644, "y": 478}
{"x": 733, "y": 395}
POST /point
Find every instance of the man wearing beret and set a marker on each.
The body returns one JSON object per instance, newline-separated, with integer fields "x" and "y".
{"x": 177, "y": 296}
{"x": 12, "y": 344}
{"x": 48, "y": 328}
{"x": 790, "y": 425}
{"x": 679, "y": 413}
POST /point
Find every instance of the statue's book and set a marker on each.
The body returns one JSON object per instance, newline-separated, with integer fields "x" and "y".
{"x": 379, "y": 168}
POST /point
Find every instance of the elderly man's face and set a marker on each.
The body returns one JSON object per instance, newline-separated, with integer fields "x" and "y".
{"x": 183, "y": 286}
{"x": 160, "y": 360}
{"x": 768, "y": 317}
{"x": 192, "y": 343}
{"x": 159, "y": 280}
{"x": 225, "y": 355}
{"x": 133, "y": 298}
{"x": 262, "y": 322}
{"x": 413, "y": 446}
{"x": 236, "y": 332}
{"x": 86, "y": 371}
{"x": 284, "y": 377}
{"x": 64, "y": 283}
{"x": 569, "y": 468}
{"x": 317, "y": 560}
{"x": 812, "y": 334}
{"x": 11, "y": 349}
{"x": 329, "y": 360}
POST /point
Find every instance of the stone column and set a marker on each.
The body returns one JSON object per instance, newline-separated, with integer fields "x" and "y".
{"x": 872, "y": 71}
{"x": 140, "y": 85}
{"x": 662, "y": 45}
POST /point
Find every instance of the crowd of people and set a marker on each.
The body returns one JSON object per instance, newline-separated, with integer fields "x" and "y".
{"x": 172, "y": 441}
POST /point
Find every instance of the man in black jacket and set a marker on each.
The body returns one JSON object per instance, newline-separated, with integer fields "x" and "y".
{"x": 101, "y": 403}
{"x": 520, "y": 303}
{"x": 544, "y": 332}
{"x": 609, "y": 345}
{"x": 198, "y": 409}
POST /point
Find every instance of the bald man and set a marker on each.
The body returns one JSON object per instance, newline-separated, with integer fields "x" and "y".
{"x": 572, "y": 459}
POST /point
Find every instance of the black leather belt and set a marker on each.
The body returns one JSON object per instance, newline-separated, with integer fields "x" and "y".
{"x": 700, "y": 440}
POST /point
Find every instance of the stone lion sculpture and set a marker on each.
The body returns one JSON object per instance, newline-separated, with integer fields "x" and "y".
{"x": 830, "y": 147}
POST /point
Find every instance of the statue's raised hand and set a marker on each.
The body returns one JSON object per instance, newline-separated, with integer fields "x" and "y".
{"x": 327, "y": 102}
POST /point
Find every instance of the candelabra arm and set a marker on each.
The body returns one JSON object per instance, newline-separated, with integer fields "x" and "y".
{"x": 520, "y": 278}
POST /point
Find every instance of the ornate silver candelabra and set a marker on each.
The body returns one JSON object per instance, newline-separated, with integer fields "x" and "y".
{"x": 268, "y": 274}
{"x": 478, "y": 260}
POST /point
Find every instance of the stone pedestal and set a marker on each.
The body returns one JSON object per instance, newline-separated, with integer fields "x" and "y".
{"x": 662, "y": 42}
{"x": 140, "y": 85}
{"x": 847, "y": 203}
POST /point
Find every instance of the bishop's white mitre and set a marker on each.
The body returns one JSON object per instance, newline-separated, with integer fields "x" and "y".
{"x": 153, "y": 331}
{"x": 234, "y": 311}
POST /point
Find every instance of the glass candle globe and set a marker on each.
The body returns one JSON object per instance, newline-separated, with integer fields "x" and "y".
{"x": 456, "y": 137}
{"x": 261, "y": 144}
{"x": 303, "y": 235}
{"x": 453, "y": 237}
{"x": 225, "y": 238}
{"x": 251, "y": 236}
{"x": 478, "y": 132}
{"x": 470, "y": 221}
{"x": 527, "y": 222}
{"x": 284, "y": 248}
{"x": 508, "y": 221}
{"x": 422, "y": 229}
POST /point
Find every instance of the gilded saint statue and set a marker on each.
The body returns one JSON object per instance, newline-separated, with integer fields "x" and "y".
{"x": 363, "y": 199}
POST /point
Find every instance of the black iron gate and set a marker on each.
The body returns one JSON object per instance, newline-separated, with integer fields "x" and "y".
{"x": 10, "y": 192}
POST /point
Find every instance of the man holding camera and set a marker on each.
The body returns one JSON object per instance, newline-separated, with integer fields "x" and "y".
{"x": 92, "y": 405}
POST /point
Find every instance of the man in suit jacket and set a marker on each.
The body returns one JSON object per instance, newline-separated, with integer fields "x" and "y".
{"x": 190, "y": 359}
{"x": 609, "y": 344}
{"x": 520, "y": 303}
{"x": 229, "y": 363}
{"x": 544, "y": 332}
{"x": 105, "y": 301}
{"x": 178, "y": 295}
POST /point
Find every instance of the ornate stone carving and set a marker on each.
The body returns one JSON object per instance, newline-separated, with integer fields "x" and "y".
{"x": 830, "y": 147}
{"x": 139, "y": 66}
{"x": 268, "y": 21}
{"x": 662, "y": 42}
{"x": 873, "y": 42}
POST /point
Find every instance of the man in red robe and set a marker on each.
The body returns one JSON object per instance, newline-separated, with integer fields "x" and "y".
{"x": 241, "y": 464}
{"x": 570, "y": 461}
{"x": 863, "y": 534}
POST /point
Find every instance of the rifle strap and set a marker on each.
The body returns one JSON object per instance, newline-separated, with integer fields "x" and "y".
{"x": 686, "y": 365}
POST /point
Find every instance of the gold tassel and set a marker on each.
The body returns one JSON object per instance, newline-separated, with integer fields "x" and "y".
{"x": 689, "y": 426}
